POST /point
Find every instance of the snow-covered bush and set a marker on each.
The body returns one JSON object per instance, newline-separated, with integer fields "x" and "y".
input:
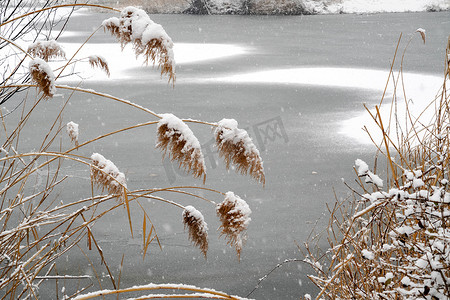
{"x": 40, "y": 223}
{"x": 279, "y": 7}
{"x": 241, "y": 7}
{"x": 392, "y": 240}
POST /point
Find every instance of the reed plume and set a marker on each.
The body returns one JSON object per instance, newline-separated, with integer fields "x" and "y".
{"x": 236, "y": 147}
{"x": 422, "y": 33}
{"x": 198, "y": 229}
{"x": 100, "y": 62}
{"x": 72, "y": 130}
{"x": 177, "y": 138}
{"x": 43, "y": 75}
{"x": 46, "y": 50}
{"x": 234, "y": 214}
{"x": 148, "y": 38}
{"x": 107, "y": 176}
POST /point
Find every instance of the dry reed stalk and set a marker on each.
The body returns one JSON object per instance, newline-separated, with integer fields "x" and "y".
{"x": 198, "y": 229}
{"x": 447, "y": 52}
{"x": 234, "y": 214}
{"x": 175, "y": 137}
{"x": 196, "y": 292}
{"x": 237, "y": 148}
{"x": 43, "y": 75}
{"x": 148, "y": 38}
{"x": 46, "y": 50}
{"x": 40, "y": 234}
{"x": 100, "y": 62}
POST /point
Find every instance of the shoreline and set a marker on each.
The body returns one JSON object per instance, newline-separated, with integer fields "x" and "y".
{"x": 269, "y": 8}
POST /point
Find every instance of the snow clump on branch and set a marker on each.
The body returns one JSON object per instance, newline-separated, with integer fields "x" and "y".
{"x": 363, "y": 171}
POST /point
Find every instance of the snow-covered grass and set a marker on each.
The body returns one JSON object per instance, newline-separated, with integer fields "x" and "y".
{"x": 40, "y": 223}
{"x": 391, "y": 238}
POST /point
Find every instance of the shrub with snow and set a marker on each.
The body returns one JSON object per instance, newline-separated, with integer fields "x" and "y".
{"x": 392, "y": 241}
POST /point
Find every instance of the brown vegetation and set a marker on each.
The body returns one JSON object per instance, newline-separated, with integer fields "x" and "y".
{"x": 394, "y": 243}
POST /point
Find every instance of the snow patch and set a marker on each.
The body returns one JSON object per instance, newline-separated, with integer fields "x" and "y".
{"x": 122, "y": 63}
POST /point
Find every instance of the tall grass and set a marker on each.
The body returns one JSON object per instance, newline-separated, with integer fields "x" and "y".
{"x": 40, "y": 223}
{"x": 391, "y": 238}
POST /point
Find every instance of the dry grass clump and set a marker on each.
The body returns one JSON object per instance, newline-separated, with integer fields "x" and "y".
{"x": 237, "y": 148}
{"x": 43, "y": 75}
{"x": 46, "y": 50}
{"x": 198, "y": 229}
{"x": 99, "y": 62}
{"x": 148, "y": 38}
{"x": 107, "y": 176}
{"x": 234, "y": 214}
{"x": 394, "y": 243}
{"x": 175, "y": 137}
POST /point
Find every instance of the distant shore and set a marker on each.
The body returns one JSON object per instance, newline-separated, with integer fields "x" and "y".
{"x": 273, "y": 7}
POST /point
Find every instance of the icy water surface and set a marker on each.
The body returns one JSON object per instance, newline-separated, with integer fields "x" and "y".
{"x": 295, "y": 125}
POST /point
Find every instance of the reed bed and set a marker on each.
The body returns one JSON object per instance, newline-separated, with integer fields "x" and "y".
{"x": 391, "y": 238}
{"x": 40, "y": 224}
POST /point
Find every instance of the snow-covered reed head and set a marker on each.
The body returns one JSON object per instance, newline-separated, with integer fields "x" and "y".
{"x": 99, "y": 62}
{"x": 43, "y": 75}
{"x": 198, "y": 229}
{"x": 422, "y": 33}
{"x": 46, "y": 50}
{"x": 234, "y": 214}
{"x": 236, "y": 147}
{"x": 72, "y": 130}
{"x": 107, "y": 176}
{"x": 149, "y": 38}
{"x": 175, "y": 137}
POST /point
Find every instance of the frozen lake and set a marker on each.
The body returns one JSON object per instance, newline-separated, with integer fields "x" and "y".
{"x": 291, "y": 82}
